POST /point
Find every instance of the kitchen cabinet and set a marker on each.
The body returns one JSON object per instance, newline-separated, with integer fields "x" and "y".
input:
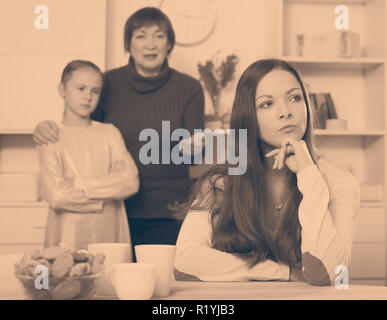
{"x": 22, "y": 226}
{"x": 369, "y": 250}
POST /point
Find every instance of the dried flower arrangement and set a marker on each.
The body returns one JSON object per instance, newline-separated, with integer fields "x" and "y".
{"x": 215, "y": 79}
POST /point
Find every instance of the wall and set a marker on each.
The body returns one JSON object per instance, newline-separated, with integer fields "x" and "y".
{"x": 240, "y": 29}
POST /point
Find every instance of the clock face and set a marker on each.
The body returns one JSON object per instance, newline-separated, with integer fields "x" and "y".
{"x": 192, "y": 20}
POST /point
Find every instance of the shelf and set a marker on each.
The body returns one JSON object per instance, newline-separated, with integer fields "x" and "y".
{"x": 370, "y": 204}
{"x": 322, "y": 132}
{"x": 335, "y": 63}
{"x": 16, "y": 131}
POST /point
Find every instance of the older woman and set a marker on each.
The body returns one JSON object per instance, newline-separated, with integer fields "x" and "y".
{"x": 291, "y": 216}
{"x": 141, "y": 95}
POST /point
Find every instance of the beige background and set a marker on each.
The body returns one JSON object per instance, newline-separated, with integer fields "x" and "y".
{"x": 31, "y": 62}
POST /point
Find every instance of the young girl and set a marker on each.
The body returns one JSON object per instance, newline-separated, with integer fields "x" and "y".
{"x": 85, "y": 175}
{"x": 291, "y": 216}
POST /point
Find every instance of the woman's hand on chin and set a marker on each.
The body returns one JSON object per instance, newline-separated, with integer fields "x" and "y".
{"x": 293, "y": 153}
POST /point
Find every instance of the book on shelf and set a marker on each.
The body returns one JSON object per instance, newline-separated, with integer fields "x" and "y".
{"x": 323, "y": 107}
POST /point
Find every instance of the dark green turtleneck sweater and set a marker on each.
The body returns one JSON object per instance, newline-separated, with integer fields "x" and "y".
{"x": 133, "y": 103}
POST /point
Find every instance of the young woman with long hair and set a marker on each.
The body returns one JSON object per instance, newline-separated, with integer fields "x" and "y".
{"x": 291, "y": 216}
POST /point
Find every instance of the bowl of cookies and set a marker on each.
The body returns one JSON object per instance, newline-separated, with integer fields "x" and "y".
{"x": 57, "y": 273}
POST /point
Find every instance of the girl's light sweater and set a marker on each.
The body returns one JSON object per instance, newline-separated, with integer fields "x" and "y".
{"x": 84, "y": 177}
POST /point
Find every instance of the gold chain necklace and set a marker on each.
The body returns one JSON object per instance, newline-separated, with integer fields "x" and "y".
{"x": 277, "y": 214}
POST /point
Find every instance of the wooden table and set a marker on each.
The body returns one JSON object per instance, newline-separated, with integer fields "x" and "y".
{"x": 256, "y": 290}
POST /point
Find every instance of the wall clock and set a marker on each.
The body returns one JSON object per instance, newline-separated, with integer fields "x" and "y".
{"x": 192, "y": 20}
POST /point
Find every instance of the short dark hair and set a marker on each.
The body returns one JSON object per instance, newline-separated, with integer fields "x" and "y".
{"x": 78, "y": 64}
{"x": 146, "y": 17}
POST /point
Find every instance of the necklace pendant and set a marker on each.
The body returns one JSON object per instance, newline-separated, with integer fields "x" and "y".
{"x": 277, "y": 214}
{"x": 278, "y": 209}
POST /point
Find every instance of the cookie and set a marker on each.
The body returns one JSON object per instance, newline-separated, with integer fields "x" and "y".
{"x": 80, "y": 257}
{"x": 53, "y": 253}
{"x": 35, "y": 255}
{"x": 32, "y": 267}
{"x": 66, "y": 290}
{"x": 62, "y": 265}
{"x": 46, "y": 263}
{"x": 80, "y": 269}
{"x": 27, "y": 266}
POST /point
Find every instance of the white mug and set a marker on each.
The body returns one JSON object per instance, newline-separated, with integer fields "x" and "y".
{"x": 114, "y": 253}
{"x": 133, "y": 281}
{"x": 163, "y": 257}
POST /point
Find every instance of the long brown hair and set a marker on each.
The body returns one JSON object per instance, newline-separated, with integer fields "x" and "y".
{"x": 238, "y": 203}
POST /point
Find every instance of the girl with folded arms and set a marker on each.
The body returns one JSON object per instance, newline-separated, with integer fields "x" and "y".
{"x": 88, "y": 172}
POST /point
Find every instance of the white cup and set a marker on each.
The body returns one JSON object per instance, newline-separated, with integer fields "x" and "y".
{"x": 163, "y": 257}
{"x": 114, "y": 253}
{"x": 133, "y": 281}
